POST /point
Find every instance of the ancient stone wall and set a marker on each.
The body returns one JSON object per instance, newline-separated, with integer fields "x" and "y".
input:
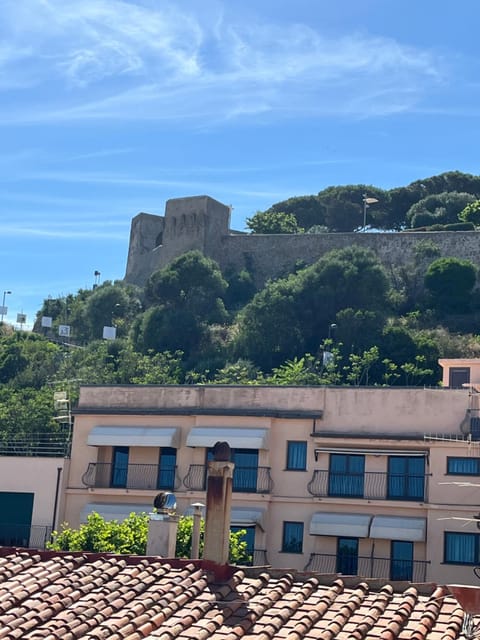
{"x": 202, "y": 223}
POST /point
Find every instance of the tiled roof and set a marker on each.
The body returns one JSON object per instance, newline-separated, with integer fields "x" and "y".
{"x": 52, "y": 597}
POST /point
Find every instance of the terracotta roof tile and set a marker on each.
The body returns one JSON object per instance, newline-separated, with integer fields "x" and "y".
{"x": 66, "y": 597}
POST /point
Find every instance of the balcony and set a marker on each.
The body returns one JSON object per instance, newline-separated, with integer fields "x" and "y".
{"x": 24, "y": 535}
{"x": 105, "y": 475}
{"x": 369, "y": 567}
{"x": 371, "y": 485}
{"x": 245, "y": 479}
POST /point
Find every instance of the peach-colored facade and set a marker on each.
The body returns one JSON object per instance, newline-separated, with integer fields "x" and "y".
{"x": 43, "y": 478}
{"x": 374, "y": 484}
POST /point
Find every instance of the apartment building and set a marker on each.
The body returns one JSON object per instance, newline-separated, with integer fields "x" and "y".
{"x": 378, "y": 482}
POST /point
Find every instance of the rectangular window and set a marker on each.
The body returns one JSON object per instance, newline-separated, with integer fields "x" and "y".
{"x": 406, "y": 478}
{"x": 292, "y": 541}
{"x": 119, "y": 467}
{"x": 245, "y": 472}
{"x": 458, "y": 376}
{"x": 461, "y": 548}
{"x": 347, "y": 556}
{"x": 463, "y": 466}
{"x": 296, "y": 455}
{"x": 346, "y": 475}
{"x": 249, "y": 538}
{"x": 401, "y": 560}
{"x": 167, "y": 466}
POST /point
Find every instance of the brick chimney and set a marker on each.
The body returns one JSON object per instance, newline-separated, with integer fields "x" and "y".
{"x": 219, "y": 501}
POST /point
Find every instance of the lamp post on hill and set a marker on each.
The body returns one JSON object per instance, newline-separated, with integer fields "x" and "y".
{"x": 4, "y": 309}
{"x": 366, "y": 203}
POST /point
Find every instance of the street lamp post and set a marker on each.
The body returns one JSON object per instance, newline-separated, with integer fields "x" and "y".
{"x": 366, "y": 203}
{"x": 5, "y": 293}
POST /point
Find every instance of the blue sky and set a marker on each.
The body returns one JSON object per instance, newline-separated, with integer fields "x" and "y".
{"x": 111, "y": 107}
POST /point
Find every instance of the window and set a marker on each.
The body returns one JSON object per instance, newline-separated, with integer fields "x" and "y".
{"x": 246, "y": 469}
{"x": 461, "y": 548}
{"x": 457, "y": 376}
{"x": 166, "y": 468}
{"x": 296, "y": 455}
{"x": 119, "y": 467}
{"x": 346, "y": 475}
{"x": 401, "y": 562}
{"x": 463, "y": 466}
{"x": 406, "y": 478}
{"x": 292, "y": 541}
{"x": 347, "y": 556}
{"x": 249, "y": 538}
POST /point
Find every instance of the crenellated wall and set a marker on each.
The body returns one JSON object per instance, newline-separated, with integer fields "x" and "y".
{"x": 202, "y": 223}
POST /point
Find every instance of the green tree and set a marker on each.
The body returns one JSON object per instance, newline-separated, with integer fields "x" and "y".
{"x": 299, "y": 371}
{"x": 241, "y": 289}
{"x": 307, "y": 210}
{"x": 99, "y": 535}
{"x": 343, "y": 206}
{"x": 442, "y": 208}
{"x": 289, "y": 317}
{"x": 130, "y": 536}
{"x": 409, "y": 279}
{"x": 450, "y": 282}
{"x": 273, "y": 222}
{"x": 471, "y": 213}
{"x": 238, "y": 552}
{"x": 239, "y": 372}
{"x": 190, "y": 283}
{"x": 25, "y": 413}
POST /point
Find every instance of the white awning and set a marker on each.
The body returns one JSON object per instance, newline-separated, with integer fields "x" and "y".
{"x": 324, "y": 523}
{"x": 237, "y": 438}
{"x": 398, "y": 528}
{"x": 239, "y": 516}
{"x": 247, "y": 517}
{"x": 133, "y": 436}
{"x": 413, "y": 453}
{"x": 113, "y": 511}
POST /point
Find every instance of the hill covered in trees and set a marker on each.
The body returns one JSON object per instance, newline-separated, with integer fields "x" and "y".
{"x": 344, "y": 320}
{"x": 436, "y": 202}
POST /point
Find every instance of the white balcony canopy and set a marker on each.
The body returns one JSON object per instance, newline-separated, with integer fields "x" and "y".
{"x": 247, "y": 517}
{"x": 111, "y": 436}
{"x": 113, "y": 511}
{"x": 324, "y": 523}
{"x": 239, "y": 516}
{"x": 398, "y": 528}
{"x": 237, "y": 438}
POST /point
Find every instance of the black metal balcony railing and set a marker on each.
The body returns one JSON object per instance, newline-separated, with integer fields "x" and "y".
{"x": 105, "y": 475}
{"x": 369, "y": 567}
{"x": 245, "y": 479}
{"x": 44, "y": 445}
{"x": 371, "y": 485}
{"x": 27, "y": 536}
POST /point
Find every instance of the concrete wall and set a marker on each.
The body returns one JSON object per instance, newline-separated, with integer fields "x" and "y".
{"x": 368, "y": 410}
{"x": 202, "y": 223}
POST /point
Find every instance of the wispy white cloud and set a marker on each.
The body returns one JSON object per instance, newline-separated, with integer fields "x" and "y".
{"x": 84, "y": 233}
{"x": 120, "y": 59}
{"x": 200, "y": 185}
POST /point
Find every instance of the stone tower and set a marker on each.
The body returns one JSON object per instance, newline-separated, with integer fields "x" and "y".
{"x": 197, "y": 222}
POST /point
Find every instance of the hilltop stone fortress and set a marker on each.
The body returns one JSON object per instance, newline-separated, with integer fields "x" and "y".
{"x": 202, "y": 223}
